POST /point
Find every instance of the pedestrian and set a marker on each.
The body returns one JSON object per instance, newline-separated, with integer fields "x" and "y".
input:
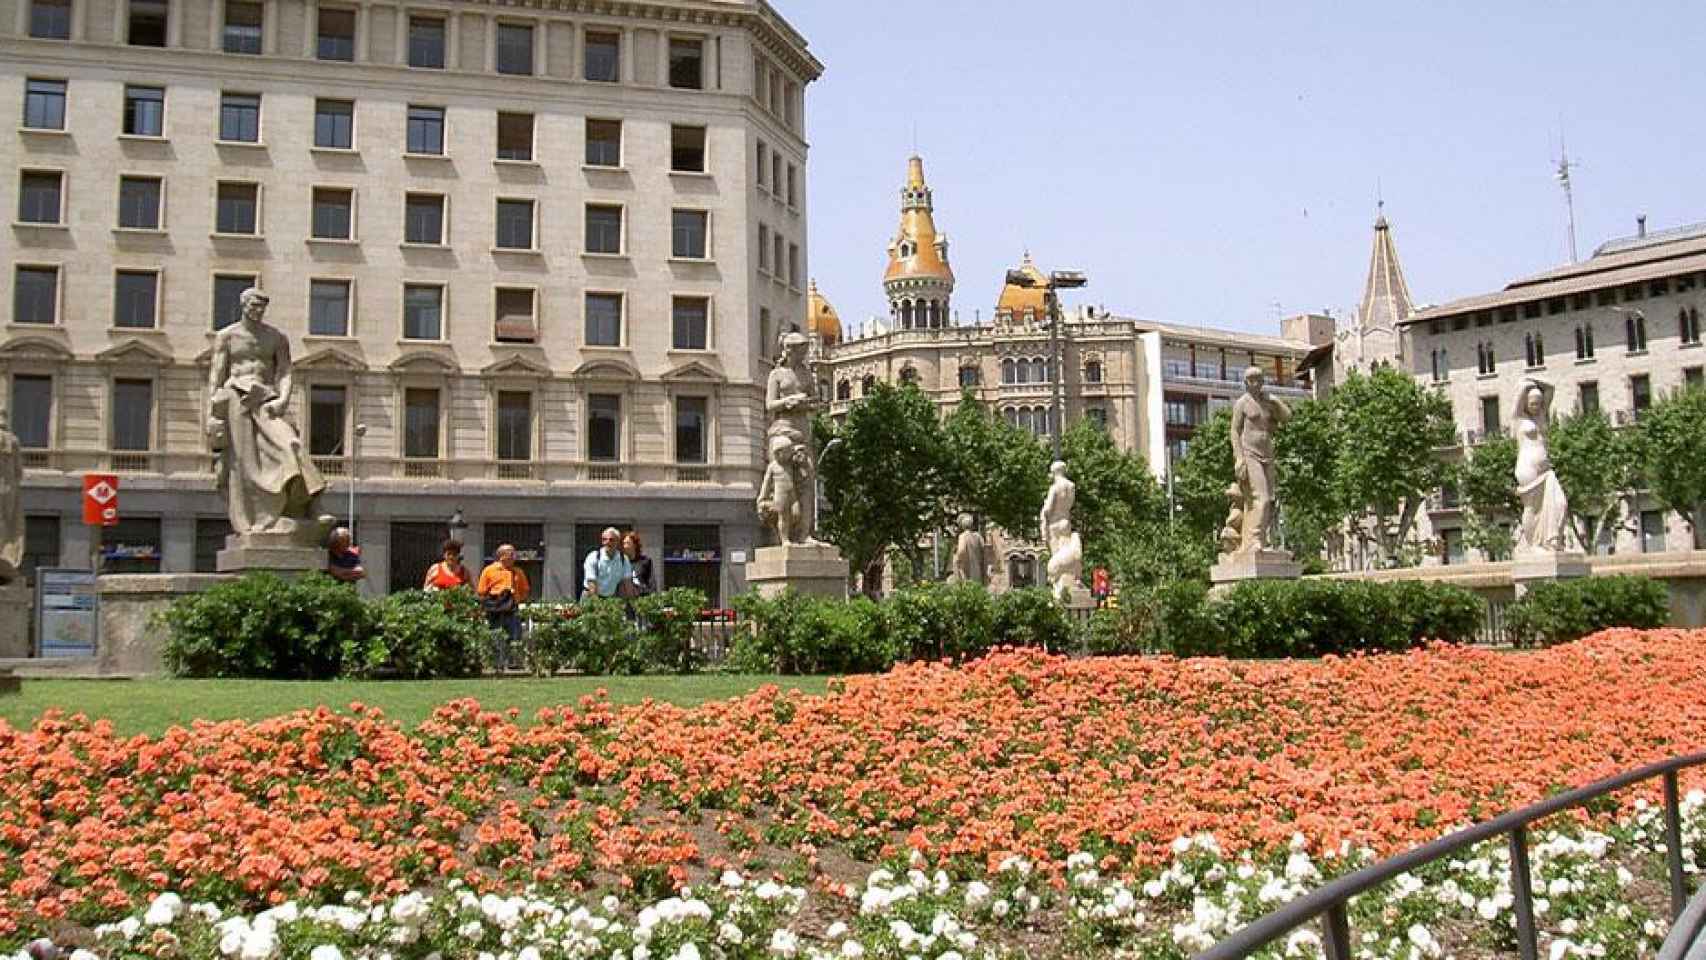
{"x": 607, "y": 572}
{"x": 643, "y": 577}
{"x": 502, "y": 590}
{"x": 343, "y": 557}
{"x": 450, "y": 572}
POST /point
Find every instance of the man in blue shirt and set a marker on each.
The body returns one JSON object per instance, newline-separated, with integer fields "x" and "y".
{"x": 607, "y": 568}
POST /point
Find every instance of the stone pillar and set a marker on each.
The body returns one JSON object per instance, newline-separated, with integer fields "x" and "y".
{"x": 374, "y": 539}
{"x": 177, "y": 544}
{"x": 1546, "y": 568}
{"x": 562, "y": 567}
{"x": 1253, "y": 565}
{"x": 814, "y": 569}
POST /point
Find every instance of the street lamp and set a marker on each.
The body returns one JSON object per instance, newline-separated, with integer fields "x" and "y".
{"x": 354, "y": 468}
{"x": 458, "y": 527}
{"x": 1058, "y": 280}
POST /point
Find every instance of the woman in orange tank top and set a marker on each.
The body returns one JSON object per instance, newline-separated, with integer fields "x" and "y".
{"x": 449, "y": 573}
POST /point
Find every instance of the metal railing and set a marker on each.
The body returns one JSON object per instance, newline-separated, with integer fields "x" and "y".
{"x": 1329, "y": 903}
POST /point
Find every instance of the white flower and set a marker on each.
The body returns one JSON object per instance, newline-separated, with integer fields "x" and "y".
{"x": 1567, "y": 926}
{"x": 731, "y": 880}
{"x": 688, "y": 951}
{"x": 977, "y": 893}
{"x": 1181, "y": 845}
{"x": 836, "y": 930}
{"x": 1560, "y": 948}
{"x": 166, "y": 908}
{"x": 81, "y": 954}
{"x": 260, "y": 944}
{"x": 1301, "y": 941}
{"x": 1423, "y": 940}
{"x": 730, "y": 934}
{"x": 128, "y": 927}
{"x": 784, "y": 943}
{"x": 852, "y": 949}
{"x": 325, "y": 951}
{"x": 999, "y": 908}
{"x": 1558, "y": 887}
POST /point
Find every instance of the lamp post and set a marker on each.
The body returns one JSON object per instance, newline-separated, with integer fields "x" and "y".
{"x": 458, "y": 527}
{"x": 1057, "y": 280}
{"x": 354, "y": 468}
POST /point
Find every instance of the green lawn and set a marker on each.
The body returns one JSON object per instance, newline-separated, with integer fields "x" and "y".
{"x": 150, "y": 706}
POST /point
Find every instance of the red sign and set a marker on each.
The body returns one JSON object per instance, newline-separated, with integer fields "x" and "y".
{"x": 1099, "y": 582}
{"x": 100, "y": 499}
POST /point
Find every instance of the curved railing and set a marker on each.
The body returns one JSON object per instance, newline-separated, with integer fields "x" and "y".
{"x": 1328, "y": 902}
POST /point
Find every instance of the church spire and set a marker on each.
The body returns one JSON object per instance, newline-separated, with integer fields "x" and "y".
{"x": 919, "y": 282}
{"x": 1385, "y": 296}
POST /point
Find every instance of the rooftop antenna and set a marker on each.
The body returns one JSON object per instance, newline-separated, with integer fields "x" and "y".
{"x": 1563, "y": 177}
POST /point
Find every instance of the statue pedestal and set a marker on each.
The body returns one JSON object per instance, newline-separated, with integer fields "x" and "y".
{"x": 276, "y": 552}
{"x": 1254, "y": 565}
{"x": 1547, "y": 567}
{"x": 16, "y": 605}
{"x": 814, "y": 569}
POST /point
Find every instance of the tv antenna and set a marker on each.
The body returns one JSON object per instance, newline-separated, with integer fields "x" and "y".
{"x": 1565, "y": 166}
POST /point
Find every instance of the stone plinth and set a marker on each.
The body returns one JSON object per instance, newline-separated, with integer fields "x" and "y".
{"x": 1546, "y": 567}
{"x": 283, "y": 553}
{"x": 16, "y": 604}
{"x": 1254, "y": 565}
{"x": 9, "y": 682}
{"x": 128, "y": 646}
{"x": 813, "y": 569}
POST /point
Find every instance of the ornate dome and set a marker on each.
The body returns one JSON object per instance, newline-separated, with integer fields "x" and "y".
{"x": 1015, "y": 300}
{"x": 918, "y": 251}
{"x": 822, "y": 321}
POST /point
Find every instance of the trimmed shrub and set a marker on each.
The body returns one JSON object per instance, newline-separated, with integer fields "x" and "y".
{"x": 1030, "y": 618}
{"x": 933, "y": 621}
{"x": 797, "y": 634}
{"x": 266, "y": 627}
{"x": 1566, "y": 610}
{"x": 591, "y": 636}
{"x": 665, "y": 640}
{"x": 421, "y": 635}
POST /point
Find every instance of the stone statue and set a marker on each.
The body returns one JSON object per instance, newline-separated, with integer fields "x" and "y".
{"x": 781, "y": 500}
{"x": 11, "y": 517}
{"x": 1545, "y": 509}
{"x": 970, "y": 565}
{"x": 1255, "y": 417}
{"x": 270, "y": 483}
{"x": 789, "y": 489}
{"x": 1065, "y": 548}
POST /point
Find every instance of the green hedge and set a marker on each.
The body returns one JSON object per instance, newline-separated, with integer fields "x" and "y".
{"x": 599, "y": 635}
{"x": 264, "y": 626}
{"x": 1566, "y": 610}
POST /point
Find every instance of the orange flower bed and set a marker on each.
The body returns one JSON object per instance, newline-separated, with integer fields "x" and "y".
{"x": 1019, "y": 753}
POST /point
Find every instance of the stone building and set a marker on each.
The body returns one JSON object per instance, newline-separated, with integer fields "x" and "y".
{"x": 531, "y": 261}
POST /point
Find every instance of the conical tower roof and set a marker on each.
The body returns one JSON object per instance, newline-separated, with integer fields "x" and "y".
{"x": 1385, "y": 296}
{"x": 918, "y": 251}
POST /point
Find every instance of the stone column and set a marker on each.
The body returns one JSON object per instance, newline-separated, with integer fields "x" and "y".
{"x": 562, "y": 567}
{"x": 177, "y": 544}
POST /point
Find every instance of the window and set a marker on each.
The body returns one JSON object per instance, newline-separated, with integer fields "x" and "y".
{"x": 692, "y": 321}
{"x": 423, "y": 219}
{"x": 1635, "y": 332}
{"x": 844, "y": 390}
{"x": 689, "y": 229}
{"x": 426, "y": 130}
{"x": 969, "y": 376}
{"x": 514, "y": 320}
{"x": 1688, "y": 324}
{"x": 242, "y": 26}
{"x": 1531, "y": 310}
{"x": 515, "y": 225}
{"x": 135, "y": 299}
{"x": 420, "y": 423}
{"x": 44, "y": 104}
{"x": 1441, "y": 365}
{"x": 50, "y": 19}
{"x": 690, "y": 422}
{"x": 687, "y": 149}
{"x": 1451, "y": 546}
{"x": 515, "y": 49}
{"x": 39, "y": 196}
{"x": 426, "y": 42}
{"x": 32, "y": 410}
{"x": 144, "y": 111}
{"x": 686, "y": 63}
{"x": 794, "y": 265}
{"x": 327, "y": 407}
{"x": 602, "y": 57}
{"x": 139, "y": 203}
{"x": 35, "y": 295}
{"x": 793, "y": 198}
{"x": 867, "y": 384}
{"x": 1093, "y": 372}
{"x": 239, "y": 206}
{"x": 1587, "y": 398}
{"x": 240, "y": 117}
{"x": 133, "y": 414}
{"x": 1490, "y": 415}
{"x": 228, "y": 297}
{"x": 776, "y": 172}
{"x": 334, "y": 124}
{"x": 603, "y": 426}
{"x": 766, "y": 333}
{"x": 1692, "y": 378}
{"x": 147, "y": 25}
{"x": 328, "y": 308}
{"x": 1652, "y": 531}
{"x": 603, "y": 229}
{"x": 210, "y": 534}
{"x": 604, "y": 319}
{"x": 1098, "y": 417}
{"x": 1640, "y": 393}
{"x": 763, "y": 166}
{"x": 515, "y": 425}
{"x": 131, "y": 546}
{"x": 1535, "y": 348}
{"x": 423, "y": 313}
{"x": 1486, "y": 363}
{"x": 763, "y": 249}
{"x": 779, "y": 255}
{"x": 692, "y": 555}
{"x": 1555, "y": 306}
{"x": 1584, "y": 341}
{"x": 334, "y": 213}
{"x": 603, "y": 143}
{"x": 515, "y": 136}
{"x": 335, "y": 35}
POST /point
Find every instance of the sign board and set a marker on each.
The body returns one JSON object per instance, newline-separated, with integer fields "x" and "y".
{"x": 100, "y": 499}
{"x": 68, "y": 613}
{"x": 1099, "y": 581}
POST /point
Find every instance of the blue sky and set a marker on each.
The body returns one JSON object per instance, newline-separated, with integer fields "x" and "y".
{"x": 1215, "y": 163}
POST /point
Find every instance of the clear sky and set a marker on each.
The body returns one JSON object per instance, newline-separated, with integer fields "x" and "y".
{"x": 1216, "y": 163}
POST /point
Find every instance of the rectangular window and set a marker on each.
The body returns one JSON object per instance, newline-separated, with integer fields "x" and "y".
{"x": 147, "y": 23}
{"x": 44, "y": 104}
{"x": 133, "y": 414}
{"x": 239, "y": 208}
{"x": 423, "y": 219}
{"x": 326, "y": 412}
{"x": 604, "y": 319}
{"x": 1452, "y": 542}
{"x": 334, "y": 124}
{"x": 515, "y": 225}
{"x": 793, "y": 186}
{"x": 335, "y": 35}
{"x": 603, "y": 229}
{"x": 334, "y": 213}
{"x": 690, "y": 229}
{"x": 603, "y": 427}
{"x": 420, "y": 423}
{"x": 776, "y": 171}
{"x": 602, "y": 57}
{"x": 1692, "y": 378}
{"x": 242, "y": 27}
{"x": 328, "y": 308}
{"x": 1640, "y": 393}
{"x": 35, "y": 295}
{"x": 779, "y": 255}
{"x": 686, "y": 63}
{"x": 603, "y": 143}
{"x": 690, "y": 422}
{"x": 131, "y": 546}
{"x": 1652, "y": 531}
{"x": 210, "y": 534}
{"x": 135, "y": 299}
{"x": 1490, "y": 415}
{"x": 240, "y": 117}
{"x": 50, "y": 19}
{"x": 515, "y": 136}
{"x": 1584, "y": 342}
{"x": 763, "y": 166}
{"x": 794, "y": 265}
{"x": 144, "y": 111}
{"x": 1587, "y": 400}
{"x": 1689, "y": 324}
{"x": 692, "y": 322}
{"x": 423, "y": 312}
{"x": 515, "y": 425}
{"x": 515, "y": 49}
{"x": 515, "y": 316}
{"x": 228, "y": 297}
{"x": 32, "y": 410}
{"x": 426, "y": 130}
{"x": 139, "y": 203}
{"x": 687, "y": 149}
{"x": 1635, "y": 332}
{"x": 763, "y": 248}
{"x": 426, "y": 42}
{"x": 39, "y": 196}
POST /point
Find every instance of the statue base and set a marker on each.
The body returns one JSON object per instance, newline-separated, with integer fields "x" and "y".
{"x": 1254, "y": 565}
{"x": 16, "y": 605}
{"x": 275, "y": 552}
{"x": 1546, "y": 568}
{"x": 813, "y": 569}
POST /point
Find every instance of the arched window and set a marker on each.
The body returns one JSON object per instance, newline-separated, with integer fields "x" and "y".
{"x": 1024, "y": 371}
{"x": 1021, "y": 571}
{"x": 1012, "y": 416}
{"x": 935, "y": 314}
{"x": 1008, "y": 374}
{"x": 1039, "y": 370}
{"x": 906, "y": 314}
{"x": 909, "y": 375}
{"x": 867, "y": 385}
{"x": 844, "y": 390}
{"x": 1093, "y": 372}
{"x": 968, "y": 376}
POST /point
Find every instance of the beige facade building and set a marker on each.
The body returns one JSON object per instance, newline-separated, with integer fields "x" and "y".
{"x": 531, "y": 261}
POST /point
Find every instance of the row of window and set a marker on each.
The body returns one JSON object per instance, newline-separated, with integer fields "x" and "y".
{"x": 1534, "y": 344}
{"x": 777, "y": 257}
{"x": 1587, "y": 398}
{"x": 1452, "y": 548}
{"x": 137, "y": 299}
{"x": 1610, "y": 296}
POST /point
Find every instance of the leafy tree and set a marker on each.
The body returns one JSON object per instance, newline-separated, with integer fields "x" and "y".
{"x": 1672, "y": 436}
{"x": 1389, "y": 462}
{"x": 1306, "y": 450}
{"x": 1201, "y": 476}
{"x": 1117, "y": 496}
{"x": 1486, "y": 482}
{"x": 995, "y": 470}
{"x": 1599, "y": 468}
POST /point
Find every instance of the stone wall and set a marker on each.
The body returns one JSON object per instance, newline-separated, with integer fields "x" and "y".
{"x": 128, "y": 645}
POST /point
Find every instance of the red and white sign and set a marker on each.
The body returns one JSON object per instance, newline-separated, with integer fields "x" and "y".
{"x": 100, "y": 499}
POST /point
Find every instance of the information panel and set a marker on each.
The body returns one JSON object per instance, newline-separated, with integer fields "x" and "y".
{"x": 68, "y": 612}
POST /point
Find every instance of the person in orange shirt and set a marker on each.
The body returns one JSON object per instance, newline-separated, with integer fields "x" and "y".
{"x": 503, "y": 588}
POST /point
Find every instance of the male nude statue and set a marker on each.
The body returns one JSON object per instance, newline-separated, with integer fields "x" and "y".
{"x": 1255, "y": 417}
